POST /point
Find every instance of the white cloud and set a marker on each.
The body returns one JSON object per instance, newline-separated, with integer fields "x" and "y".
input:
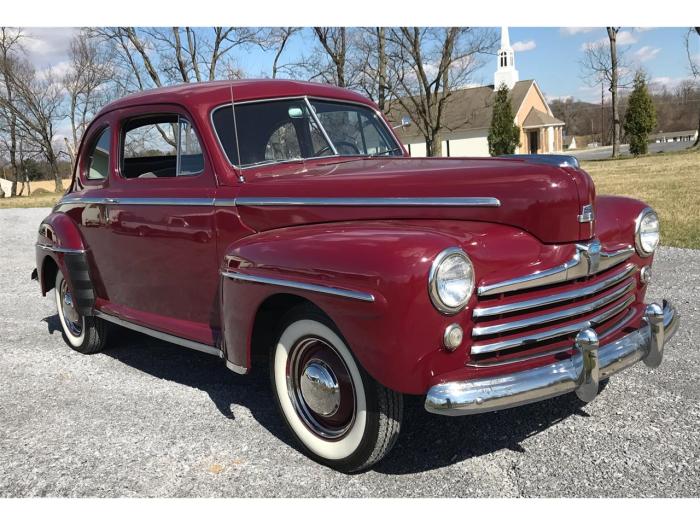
{"x": 624, "y": 38}
{"x": 668, "y": 82}
{"x": 524, "y": 46}
{"x": 643, "y": 29}
{"x": 47, "y": 45}
{"x": 645, "y": 53}
{"x": 575, "y": 30}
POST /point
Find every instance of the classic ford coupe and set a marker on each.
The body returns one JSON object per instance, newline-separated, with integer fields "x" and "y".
{"x": 239, "y": 218}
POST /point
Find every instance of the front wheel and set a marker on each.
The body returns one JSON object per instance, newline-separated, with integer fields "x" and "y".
{"x": 338, "y": 413}
{"x": 83, "y": 333}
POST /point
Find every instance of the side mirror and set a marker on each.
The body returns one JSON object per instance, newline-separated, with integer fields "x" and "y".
{"x": 405, "y": 122}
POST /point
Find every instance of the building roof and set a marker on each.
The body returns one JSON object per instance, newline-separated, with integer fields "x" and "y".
{"x": 538, "y": 119}
{"x": 465, "y": 109}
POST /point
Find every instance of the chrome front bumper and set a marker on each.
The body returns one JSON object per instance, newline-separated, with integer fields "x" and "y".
{"x": 581, "y": 373}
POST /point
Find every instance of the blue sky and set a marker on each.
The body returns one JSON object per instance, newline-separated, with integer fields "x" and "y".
{"x": 549, "y": 55}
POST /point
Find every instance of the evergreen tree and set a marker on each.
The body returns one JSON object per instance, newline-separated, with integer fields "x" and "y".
{"x": 640, "y": 118}
{"x": 504, "y": 135}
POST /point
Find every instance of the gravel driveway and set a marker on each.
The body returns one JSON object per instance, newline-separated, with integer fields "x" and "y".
{"x": 147, "y": 418}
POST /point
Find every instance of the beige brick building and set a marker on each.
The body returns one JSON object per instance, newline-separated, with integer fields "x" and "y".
{"x": 468, "y": 115}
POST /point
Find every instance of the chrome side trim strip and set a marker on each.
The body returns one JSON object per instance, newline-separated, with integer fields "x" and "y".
{"x": 588, "y": 260}
{"x": 370, "y": 201}
{"x": 57, "y": 249}
{"x": 463, "y": 202}
{"x": 580, "y": 309}
{"x": 328, "y": 290}
{"x": 194, "y": 345}
{"x": 487, "y": 311}
{"x": 551, "y": 334}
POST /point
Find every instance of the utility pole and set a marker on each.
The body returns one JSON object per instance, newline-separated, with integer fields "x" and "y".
{"x": 602, "y": 113}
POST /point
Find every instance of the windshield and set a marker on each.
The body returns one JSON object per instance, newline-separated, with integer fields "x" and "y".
{"x": 289, "y": 130}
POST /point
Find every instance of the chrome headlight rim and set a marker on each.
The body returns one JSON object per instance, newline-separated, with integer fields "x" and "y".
{"x": 432, "y": 281}
{"x": 637, "y": 232}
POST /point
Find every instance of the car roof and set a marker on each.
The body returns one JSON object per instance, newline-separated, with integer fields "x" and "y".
{"x": 219, "y": 92}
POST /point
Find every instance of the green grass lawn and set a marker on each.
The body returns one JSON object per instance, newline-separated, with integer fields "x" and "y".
{"x": 668, "y": 182}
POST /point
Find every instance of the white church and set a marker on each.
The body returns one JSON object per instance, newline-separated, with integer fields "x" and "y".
{"x": 468, "y": 115}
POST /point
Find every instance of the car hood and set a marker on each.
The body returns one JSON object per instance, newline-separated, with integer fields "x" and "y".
{"x": 541, "y": 199}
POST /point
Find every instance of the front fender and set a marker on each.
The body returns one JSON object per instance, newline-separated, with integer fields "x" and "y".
{"x": 397, "y": 336}
{"x": 61, "y": 246}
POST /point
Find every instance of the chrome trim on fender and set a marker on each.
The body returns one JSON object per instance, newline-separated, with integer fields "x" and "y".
{"x": 588, "y": 260}
{"x": 194, "y": 345}
{"x": 579, "y": 373}
{"x": 327, "y": 290}
{"x": 507, "y": 308}
{"x": 370, "y": 201}
{"x": 58, "y": 249}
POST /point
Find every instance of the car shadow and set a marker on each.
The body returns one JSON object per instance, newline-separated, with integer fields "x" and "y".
{"x": 430, "y": 441}
{"x": 427, "y": 441}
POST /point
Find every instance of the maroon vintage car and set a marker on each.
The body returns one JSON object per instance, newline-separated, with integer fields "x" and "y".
{"x": 285, "y": 217}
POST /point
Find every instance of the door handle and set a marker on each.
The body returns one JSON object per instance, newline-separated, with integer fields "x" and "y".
{"x": 111, "y": 201}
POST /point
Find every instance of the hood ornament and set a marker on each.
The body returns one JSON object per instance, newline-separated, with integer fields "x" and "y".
{"x": 591, "y": 252}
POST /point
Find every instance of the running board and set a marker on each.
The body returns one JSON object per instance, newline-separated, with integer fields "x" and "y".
{"x": 180, "y": 341}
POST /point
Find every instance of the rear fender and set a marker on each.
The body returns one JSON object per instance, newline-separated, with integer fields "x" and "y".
{"x": 61, "y": 246}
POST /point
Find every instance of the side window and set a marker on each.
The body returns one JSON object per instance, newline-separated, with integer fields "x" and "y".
{"x": 191, "y": 159}
{"x": 98, "y": 161}
{"x": 160, "y": 146}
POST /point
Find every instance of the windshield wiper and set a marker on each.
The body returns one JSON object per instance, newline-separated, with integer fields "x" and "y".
{"x": 272, "y": 161}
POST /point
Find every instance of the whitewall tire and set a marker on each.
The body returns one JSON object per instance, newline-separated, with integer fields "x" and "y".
{"x": 337, "y": 412}
{"x": 85, "y": 334}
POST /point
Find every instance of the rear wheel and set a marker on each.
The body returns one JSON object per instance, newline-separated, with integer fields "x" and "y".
{"x": 337, "y": 412}
{"x": 83, "y": 333}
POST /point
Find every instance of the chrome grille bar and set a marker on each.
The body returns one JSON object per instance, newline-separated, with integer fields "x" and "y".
{"x": 487, "y": 311}
{"x": 589, "y": 259}
{"x": 577, "y": 310}
{"x": 553, "y": 333}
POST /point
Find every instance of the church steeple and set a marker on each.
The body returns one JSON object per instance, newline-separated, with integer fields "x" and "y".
{"x": 505, "y": 72}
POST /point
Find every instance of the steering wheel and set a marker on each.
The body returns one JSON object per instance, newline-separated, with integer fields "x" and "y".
{"x": 343, "y": 143}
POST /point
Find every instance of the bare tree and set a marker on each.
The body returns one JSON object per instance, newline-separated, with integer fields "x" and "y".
{"x": 154, "y": 57}
{"x": 694, "y": 67}
{"x": 368, "y": 64}
{"x": 603, "y": 63}
{"x": 277, "y": 39}
{"x": 334, "y": 42}
{"x": 9, "y": 41}
{"x": 38, "y": 105}
{"x": 427, "y": 64}
{"x": 91, "y": 71}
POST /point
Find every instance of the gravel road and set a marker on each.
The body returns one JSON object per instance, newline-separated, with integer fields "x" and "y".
{"x": 148, "y": 418}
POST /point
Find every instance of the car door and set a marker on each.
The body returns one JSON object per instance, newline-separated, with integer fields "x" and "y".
{"x": 164, "y": 271}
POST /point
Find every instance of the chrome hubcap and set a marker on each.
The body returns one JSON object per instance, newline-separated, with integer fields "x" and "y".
{"x": 70, "y": 315}
{"x": 320, "y": 388}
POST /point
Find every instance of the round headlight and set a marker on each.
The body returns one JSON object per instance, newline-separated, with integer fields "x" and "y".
{"x": 646, "y": 236}
{"x": 451, "y": 280}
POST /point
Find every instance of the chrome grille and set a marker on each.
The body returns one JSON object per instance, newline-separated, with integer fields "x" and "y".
{"x": 532, "y": 313}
